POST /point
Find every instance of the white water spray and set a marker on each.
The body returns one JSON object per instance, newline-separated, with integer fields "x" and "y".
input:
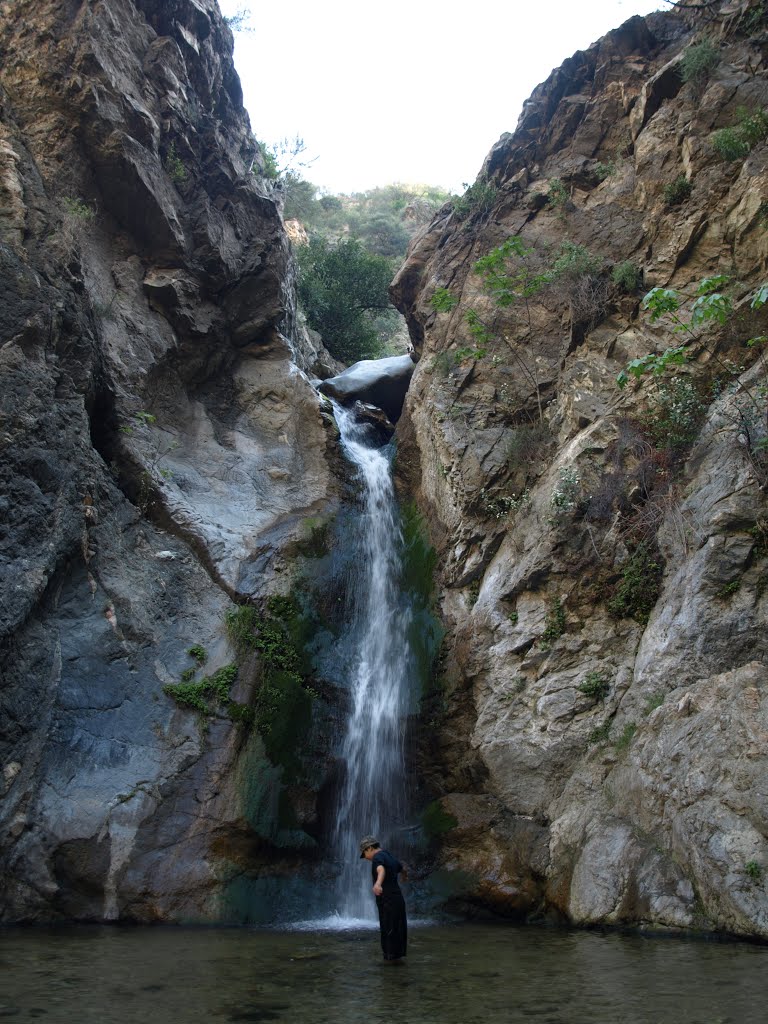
{"x": 372, "y": 799}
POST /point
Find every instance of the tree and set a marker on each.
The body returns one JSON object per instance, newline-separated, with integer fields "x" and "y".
{"x": 342, "y": 288}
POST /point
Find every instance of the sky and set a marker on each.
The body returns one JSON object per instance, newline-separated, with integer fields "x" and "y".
{"x": 408, "y": 91}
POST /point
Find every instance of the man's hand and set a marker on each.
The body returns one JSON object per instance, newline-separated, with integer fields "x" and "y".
{"x": 377, "y": 890}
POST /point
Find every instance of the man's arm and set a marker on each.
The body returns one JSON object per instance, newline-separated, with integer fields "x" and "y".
{"x": 380, "y": 873}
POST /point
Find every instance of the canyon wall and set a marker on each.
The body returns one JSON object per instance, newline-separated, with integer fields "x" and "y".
{"x": 164, "y": 461}
{"x": 596, "y": 734}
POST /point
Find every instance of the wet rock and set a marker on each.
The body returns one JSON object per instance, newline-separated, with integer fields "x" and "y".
{"x": 380, "y": 382}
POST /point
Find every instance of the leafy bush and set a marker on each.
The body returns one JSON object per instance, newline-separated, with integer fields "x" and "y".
{"x": 639, "y": 587}
{"x": 478, "y": 198}
{"x": 678, "y": 191}
{"x": 595, "y": 685}
{"x": 627, "y": 276}
{"x": 699, "y": 61}
{"x": 78, "y": 208}
{"x": 736, "y": 142}
{"x": 557, "y": 196}
{"x": 341, "y": 288}
{"x": 676, "y": 413}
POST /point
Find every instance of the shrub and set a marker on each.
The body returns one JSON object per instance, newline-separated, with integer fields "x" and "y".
{"x": 554, "y": 625}
{"x": 595, "y": 685}
{"x": 199, "y": 653}
{"x": 639, "y": 587}
{"x": 753, "y": 870}
{"x": 699, "y": 61}
{"x": 174, "y": 165}
{"x": 78, "y": 208}
{"x": 627, "y": 276}
{"x": 478, "y": 198}
{"x": 736, "y": 142}
{"x": 678, "y": 191}
{"x": 675, "y": 415}
{"x": 557, "y": 196}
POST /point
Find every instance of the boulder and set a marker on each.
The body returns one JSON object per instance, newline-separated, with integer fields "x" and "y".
{"x": 380, "y": 382}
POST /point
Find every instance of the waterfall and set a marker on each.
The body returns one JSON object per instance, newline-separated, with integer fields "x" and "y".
{"x": 372, "y": 797}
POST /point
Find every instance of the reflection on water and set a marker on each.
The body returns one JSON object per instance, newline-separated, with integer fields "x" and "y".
{"x": 462, "y": 974}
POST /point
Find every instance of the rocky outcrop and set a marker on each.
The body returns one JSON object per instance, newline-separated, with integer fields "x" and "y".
{"x": 595, "y": 732}
{"x": 380, "y": 382}
{"x": 162, "y": 457}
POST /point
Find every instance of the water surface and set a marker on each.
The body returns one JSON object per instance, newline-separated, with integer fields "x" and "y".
{"x": 462, "y": 974}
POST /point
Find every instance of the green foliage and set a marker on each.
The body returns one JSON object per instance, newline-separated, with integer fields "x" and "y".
{"x": 443, "y": 301}
{"x": 676, "y": 412}
{"x": 574, "y": 260}
{"x": 699, "y": 61}
{"x": 78, "y": 208}
{"x": 627, "y": 735}
{"x": 499, "y": 506}
{"x": 341, "y": 287}
{"x": 557, "y": 196}
{"x": 736, "y": 141}
{"x": 627, "y": 276}
{"x": 199, "y": 653}
{"x": 753, "y": 870}
{"x": 653, "y": 702}
{"x": 564, "y": 497}
{"x": 595, "y": 685}
{"x": 419, "y": 559}
{"x": 174, "y": 165}
{"x": 554, "y": 625}
{"x": 599, "y": 734}
{"x": 270, "y": 166}
{"x": 207, "y": 693}
{"x": 678, "y": 191}
{"x": 437, "y": 821}
{"x": 604, "y": 170}
{"x": 478, "y": 198}
{"x": 638, "y": 589}
{"x": 239, "y": 22}
{"x": 283, "y": 706}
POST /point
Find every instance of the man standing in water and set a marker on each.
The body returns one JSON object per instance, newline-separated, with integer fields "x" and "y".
{"x": 389, "y": 899}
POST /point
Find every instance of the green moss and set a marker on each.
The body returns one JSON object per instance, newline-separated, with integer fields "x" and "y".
{"x": 419, "y": 557}
{"x": 315, "y": 542}
{"x": 437, "y": 821}
{"x": 283, "y": 717}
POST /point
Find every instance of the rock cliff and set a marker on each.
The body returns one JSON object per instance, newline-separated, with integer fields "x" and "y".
{"x": 164, "y": 460}
{"x": 596, "y": 734}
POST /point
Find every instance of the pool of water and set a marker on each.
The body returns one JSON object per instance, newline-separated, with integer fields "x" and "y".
{"x": 455, "y": 974}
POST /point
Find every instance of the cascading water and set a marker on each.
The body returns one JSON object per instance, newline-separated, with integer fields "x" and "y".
{"x": 372, "y": 798}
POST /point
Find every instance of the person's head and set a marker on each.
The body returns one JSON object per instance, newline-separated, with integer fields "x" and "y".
{"x": 368, "y": 847}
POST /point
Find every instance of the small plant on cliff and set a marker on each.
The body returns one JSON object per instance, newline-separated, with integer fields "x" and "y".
{"x": 174, "y": 165}
{"x": 199, "y": 653}
{"x": 563, "y": 499}
{"x": 207, "y": 694}
{"x": 638, "y": 589}
{"x": 699, "y": 61}
{"x": 753, "y": 870}
{"x": 678, "y": 191}
{"x": 737, "y": 141}
{"x": 627, "y": 276}
{"x": 443, "y": 301}
{"x": 595, "y": 685}
{"x": 477, "y": 198}
{"x": 554, "y": 625}
{"x": 627, "y": 735}
{"x": 557, "y": 195}
{"x": 78, "y": 208}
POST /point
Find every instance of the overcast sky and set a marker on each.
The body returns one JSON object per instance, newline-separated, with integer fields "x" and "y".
{"x": 411, "y": 91}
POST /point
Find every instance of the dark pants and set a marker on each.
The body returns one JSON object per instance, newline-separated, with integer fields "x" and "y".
{"x": 392, "y": 924}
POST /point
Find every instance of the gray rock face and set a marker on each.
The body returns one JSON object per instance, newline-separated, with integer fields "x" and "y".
{"x": 380, "y": 382}
{"x": 628, "y": 734}
{"x": 162, "y": 455}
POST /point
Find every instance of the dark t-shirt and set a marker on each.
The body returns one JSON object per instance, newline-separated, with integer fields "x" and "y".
{"x": 392, "y": 867}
